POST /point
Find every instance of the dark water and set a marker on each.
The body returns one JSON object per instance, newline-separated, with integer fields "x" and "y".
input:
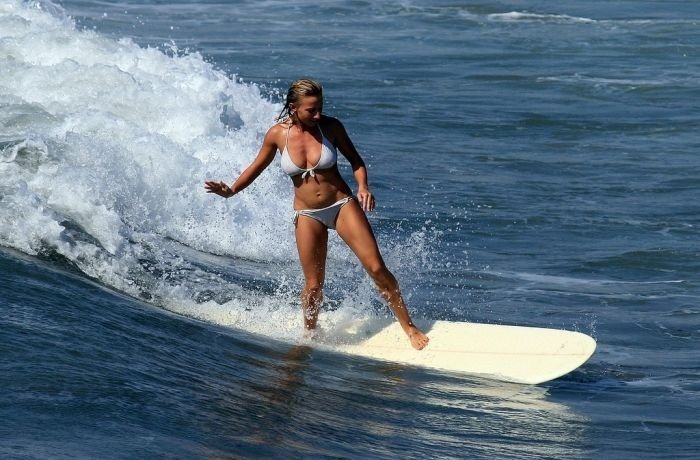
{"x": 534, "y": 164}
{"x": 90, "y": 373}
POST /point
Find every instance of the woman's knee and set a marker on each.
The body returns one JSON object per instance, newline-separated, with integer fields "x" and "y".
{"x": 382, "y": 276}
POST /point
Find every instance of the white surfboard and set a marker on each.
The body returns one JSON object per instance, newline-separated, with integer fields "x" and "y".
{"x": 512, "y": 353}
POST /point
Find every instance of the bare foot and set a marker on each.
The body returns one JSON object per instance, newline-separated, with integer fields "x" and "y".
{"x": 417, "y": 338}
{"x": 310, "y": 334}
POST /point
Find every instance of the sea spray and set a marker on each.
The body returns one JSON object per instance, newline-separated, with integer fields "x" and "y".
{"x": 105, "y": 148}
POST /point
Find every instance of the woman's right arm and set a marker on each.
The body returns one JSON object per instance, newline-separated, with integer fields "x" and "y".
{"x": 262, "y": 160}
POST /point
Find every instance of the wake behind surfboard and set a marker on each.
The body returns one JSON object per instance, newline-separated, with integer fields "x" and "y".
{"x": 518, "y": 354}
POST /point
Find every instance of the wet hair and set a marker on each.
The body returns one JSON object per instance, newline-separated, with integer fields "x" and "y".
{"x": 298, "y": 89}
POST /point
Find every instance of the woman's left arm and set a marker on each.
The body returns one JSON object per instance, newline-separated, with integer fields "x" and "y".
{"x": 359, "y": 170}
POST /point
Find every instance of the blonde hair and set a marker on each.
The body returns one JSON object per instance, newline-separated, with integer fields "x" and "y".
{"x": 298, "y": 89}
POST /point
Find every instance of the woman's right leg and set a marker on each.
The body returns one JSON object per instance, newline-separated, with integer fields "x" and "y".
{"x": 312, "y": 244}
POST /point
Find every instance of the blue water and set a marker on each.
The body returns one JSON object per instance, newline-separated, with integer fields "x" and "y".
{"x": 534, "y": 163}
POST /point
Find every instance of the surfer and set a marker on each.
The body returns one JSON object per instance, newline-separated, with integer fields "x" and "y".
{"x": 309, "y": 143}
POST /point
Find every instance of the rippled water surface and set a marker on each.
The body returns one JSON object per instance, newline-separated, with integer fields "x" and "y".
{"x": 534, "y": 164}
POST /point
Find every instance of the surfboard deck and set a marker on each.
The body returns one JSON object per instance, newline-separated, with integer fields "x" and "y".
{"x": 529, "y": 355}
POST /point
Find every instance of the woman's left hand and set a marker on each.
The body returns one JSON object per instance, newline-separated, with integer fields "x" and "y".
{"x": 366, "y": 199}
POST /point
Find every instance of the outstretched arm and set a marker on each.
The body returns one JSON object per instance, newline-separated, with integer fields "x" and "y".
{"x": 359, "y": 170}
{"x": 262, "y": 161}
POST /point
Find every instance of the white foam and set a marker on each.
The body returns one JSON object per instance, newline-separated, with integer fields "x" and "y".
{"x": 515, "y": 16}
{"x": 117, "y": 140}
{"x": 624, "y": 83}
{"x": 104, "y": 149}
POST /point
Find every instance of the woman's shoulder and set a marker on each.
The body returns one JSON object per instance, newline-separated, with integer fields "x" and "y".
{"x": 279, "y": 127}
{"x": 331, "y": 124}
{"x": 329, "y": 121}
{"x": 276, "y": 134}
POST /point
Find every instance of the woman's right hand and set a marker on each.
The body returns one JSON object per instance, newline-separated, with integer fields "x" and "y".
{"x": 220, "y": 188}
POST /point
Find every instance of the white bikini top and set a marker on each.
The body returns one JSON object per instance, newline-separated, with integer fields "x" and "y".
{"x": 328, "y": 158}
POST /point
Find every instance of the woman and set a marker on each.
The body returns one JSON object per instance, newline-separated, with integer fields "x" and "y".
{"x": 307, "y": 141}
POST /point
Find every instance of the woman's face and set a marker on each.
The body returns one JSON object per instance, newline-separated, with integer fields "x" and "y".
{"x": 308, "y": 110}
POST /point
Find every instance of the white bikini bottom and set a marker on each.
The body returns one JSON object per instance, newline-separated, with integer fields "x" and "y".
{"x": 327, "y": 216}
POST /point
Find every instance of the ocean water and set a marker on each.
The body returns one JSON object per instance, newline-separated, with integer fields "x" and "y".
{"x": 534, "y": 163}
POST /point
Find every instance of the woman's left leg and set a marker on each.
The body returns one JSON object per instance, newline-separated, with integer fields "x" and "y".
{"x": 353, "y": 227}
